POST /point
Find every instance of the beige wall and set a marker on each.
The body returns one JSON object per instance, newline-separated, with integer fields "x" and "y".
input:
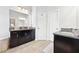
{"x": 4, "y": 44}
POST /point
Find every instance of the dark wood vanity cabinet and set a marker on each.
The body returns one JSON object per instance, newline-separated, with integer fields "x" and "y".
{"x": 65, "y": 44}
{"x": 20, "y": 37}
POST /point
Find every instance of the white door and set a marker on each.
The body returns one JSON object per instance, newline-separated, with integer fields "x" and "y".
{"x": 53, "y": 22}
{"x": 41, "y": 23}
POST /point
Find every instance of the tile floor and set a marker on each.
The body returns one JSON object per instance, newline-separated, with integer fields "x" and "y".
{"x": 37, "y": 46}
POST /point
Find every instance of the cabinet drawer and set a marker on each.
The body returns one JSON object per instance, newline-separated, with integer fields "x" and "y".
{"x": 14, "y": 35}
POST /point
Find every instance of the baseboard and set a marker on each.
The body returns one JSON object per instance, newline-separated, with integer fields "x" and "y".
{"x": 4, "y": 36}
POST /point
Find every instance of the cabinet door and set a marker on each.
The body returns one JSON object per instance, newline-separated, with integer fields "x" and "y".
{"x": 67, "y": 17}
{"x": 14, "y": 34}
{"x": 13, "y": 39}
{"x": 24, "y": 36}
{"x": 33, "y": 34}
{"x": 27, "y": 36}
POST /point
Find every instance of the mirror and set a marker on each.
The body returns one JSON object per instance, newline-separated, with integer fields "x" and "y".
{"x": 19, "y": 18}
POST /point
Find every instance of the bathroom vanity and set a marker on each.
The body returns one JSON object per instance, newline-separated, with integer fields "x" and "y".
{"x": 66, "y": 42}
{"x": 21, "y": 30}
{"x": 21, "y": 36}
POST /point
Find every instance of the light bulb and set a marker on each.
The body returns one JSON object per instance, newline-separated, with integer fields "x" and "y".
{"x": 23, "y": 9}
{"x": 19, "y": 8}
{"x": 26, "y": 11}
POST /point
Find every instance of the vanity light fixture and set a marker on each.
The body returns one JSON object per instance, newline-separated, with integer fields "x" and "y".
{"x": 21, "y": 9}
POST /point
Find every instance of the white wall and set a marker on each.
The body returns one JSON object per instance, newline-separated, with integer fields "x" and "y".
{"x": 34, "y": 16}
{"x": 4, "y": 22}
{"x": 77, "y": 17}
{"x": 67, "y": 17}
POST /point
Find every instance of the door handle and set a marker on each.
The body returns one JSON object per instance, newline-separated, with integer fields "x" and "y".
{"x": 56, "y": 28}
{"x": 38, "y": 28}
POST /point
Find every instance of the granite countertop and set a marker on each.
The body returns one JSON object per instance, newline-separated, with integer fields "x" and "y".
{"x": 21, "y": 29}
{"x": 68, "y": 34}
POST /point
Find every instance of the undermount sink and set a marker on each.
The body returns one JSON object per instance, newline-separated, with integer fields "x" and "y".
{"x": 67, "y": 33}
{"x": 71, "y": 33}
{"x": 25, "y": 27}
{"x": 21, "y": 28}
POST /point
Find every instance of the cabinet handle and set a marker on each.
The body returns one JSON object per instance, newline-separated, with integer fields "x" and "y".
{"x": 17, "y": 35}
{"x": 25, "y": 34}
